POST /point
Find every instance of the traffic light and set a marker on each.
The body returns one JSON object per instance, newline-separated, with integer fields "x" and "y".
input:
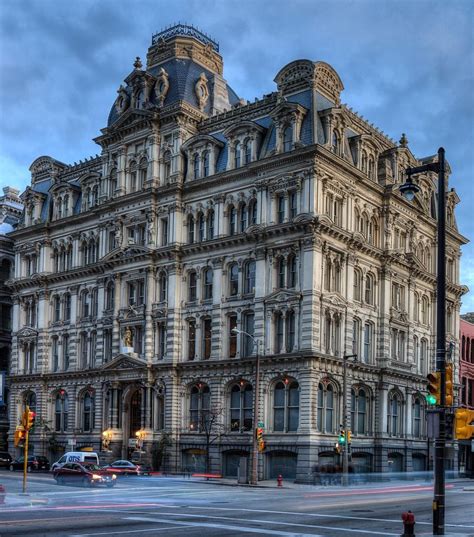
{"x": 260, "y": 440}
{"x": 349, "y": 437}
{"x": 449, "y": 385}
{"x": 342, "y": 437}
{"x": 337, "y": 448}
{"x": 464, "y": 424}
{"x": 19, "y": 436}
{"x": 31, "y": 420}
{"x": 434, "y": 388}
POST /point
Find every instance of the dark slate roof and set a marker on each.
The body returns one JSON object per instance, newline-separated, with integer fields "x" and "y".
{"x": 183, "y": 75}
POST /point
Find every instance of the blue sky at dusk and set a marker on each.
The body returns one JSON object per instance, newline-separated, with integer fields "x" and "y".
{"x": 407, "y": 66}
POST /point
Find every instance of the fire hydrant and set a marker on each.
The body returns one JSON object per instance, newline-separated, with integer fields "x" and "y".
{"x": 408, "y": 524}
{"x": 280, "y": 480}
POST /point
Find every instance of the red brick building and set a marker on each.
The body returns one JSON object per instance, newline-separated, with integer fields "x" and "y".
{"x": 466, "y": 397}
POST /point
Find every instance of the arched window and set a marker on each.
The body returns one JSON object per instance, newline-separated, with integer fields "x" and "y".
{"x": 88, "y": 413}
{"x": 371, "y": 168}
{"x": 55, "y": 353}
{"x": 418, "y": 414}
{"x": 241, "y": 412}
{"x": 237, "y": 159}
{"x": 286, "y": 406}
{"x": 357, "y": 285}
{"x": 335, "y": 143}
{"x": 208, "y": 277}
{"x": 359, "y": 404}
{"x": 201, "y": 227}
{"x": 288, "y": 139}
{"x": 233, "y": 279}
{"x": 199, "y": 407}
{"x": 249, "y": 277}
{"x": 243, "y": 217}
{"x": 369, "y": 289}
{"x": 205, "y": 164}
{"x": 166, "y": 166}
{"x": 56, "y": 309}
{"x": 232, "y": 220}
{"x": 196, "y": 166}
{"x": 110, "y": 296}
{"x": 248, "y": 343}
{"x": 247, "y": 152}
{"x": 190, "y": 229}
{"x": 356, "y": 328}
{"x": 253, "y": 212}
{"x": 30, "y": 401}
{"x": 394, "y": 414}
{"x": 192, "y": 286}
{"x": 425, "y": 310}
{"x": 142, "y": 173}
{"x": 61, "y": 412}
{"x": 326, "y": 417}
{"x": 85, "y": 303}
{"x": 191, "y": 339}
{"x": 206, "y": 330}
{"x": 210, "y": 225}
{"x": 416, "y": 307}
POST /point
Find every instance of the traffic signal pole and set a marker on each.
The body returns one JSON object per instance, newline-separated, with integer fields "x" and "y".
{"x": 25, "y": 462}
{"x": 345, "y": 421}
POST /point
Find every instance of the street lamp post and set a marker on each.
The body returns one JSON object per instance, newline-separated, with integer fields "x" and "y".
{"x": 345, "y": 420}
{"x": 409, "y": 189}
{"x": 256, "y": 404}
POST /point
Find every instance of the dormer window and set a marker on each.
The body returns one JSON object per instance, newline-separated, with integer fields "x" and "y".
{"x": 335, "y": 143}
{"x": 196, "y": 166}
{"x": 248, "y": 152}
{"x": 288, "y": 139}
{"x": 237, "y": 160}
{"x": 205, "y": 164}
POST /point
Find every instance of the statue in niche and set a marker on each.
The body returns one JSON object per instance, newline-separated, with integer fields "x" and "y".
{"x": 128, "y": 337}
{"x": 150, "y": 229}
{"x": 118, "y": 235}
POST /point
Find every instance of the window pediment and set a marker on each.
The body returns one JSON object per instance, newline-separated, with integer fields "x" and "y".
{"x": 243, "y": 128}
{"x": 283, "y": 296}
{"x": 201, "y": 141}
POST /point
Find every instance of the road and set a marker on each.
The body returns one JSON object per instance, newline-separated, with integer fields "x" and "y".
{"x": 145, "y": 506}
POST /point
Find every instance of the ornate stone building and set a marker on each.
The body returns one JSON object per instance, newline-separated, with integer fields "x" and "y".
{"x": 203, "y": 214}
{"x": 10, "y": 214}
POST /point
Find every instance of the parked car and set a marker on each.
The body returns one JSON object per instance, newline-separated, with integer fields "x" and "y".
{"x": 5, "y": 459}
{"x": 34, "y": 463}
{"x": 123, "y": 467}
{"x": 86, "y": 475}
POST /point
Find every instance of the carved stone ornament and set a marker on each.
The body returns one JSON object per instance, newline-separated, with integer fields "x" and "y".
{"x": 202, "y": 91}
{"x": 162, "y": 86}
{"x": 123, "y": 100}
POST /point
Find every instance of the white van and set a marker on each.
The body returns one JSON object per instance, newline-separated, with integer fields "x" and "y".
{"x": 76, "y": 456}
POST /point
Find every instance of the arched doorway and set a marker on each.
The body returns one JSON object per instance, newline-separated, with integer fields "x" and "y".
{"x": 395, "y": 462}
{"x": 282, "y": 463}
{"x": 135, "y": 413}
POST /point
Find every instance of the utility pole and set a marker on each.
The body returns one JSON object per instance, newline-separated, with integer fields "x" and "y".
{"x": 409, "y": 189}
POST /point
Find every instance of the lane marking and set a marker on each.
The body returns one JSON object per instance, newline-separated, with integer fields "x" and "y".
{"x": 127, "y": 531}
{"x": 317, "y": 515}
{"x": 237, "y": 529}
{"x": 269, "y": 522}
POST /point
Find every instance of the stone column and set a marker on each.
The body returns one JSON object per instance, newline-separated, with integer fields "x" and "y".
{"x": 150, "y": 294}
{"x": 121, "y": 171}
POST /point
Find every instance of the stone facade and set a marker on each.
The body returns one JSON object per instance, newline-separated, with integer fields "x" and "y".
{"x": 466, "y": 381}
{"x": 203, "y": 214}
{"x": 10, "y": 213}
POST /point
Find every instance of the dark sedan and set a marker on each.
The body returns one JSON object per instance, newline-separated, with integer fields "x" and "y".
{"x": 86, "y": 475}
{"x": 34, "y": 463}
{"x": 5, "y": 459}
{"x": 123, "y": 467}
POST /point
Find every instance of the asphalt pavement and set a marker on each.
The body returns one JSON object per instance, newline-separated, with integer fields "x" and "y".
{"x": 145, "y": 506}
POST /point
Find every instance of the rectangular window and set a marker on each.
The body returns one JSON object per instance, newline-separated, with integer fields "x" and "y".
{"x": 249, "y": 327}
{"x": 279, "y": 322}
{"x": 107, "y": 345}
{"x": 132, "y": 294}
{"x": 293, "y": 205}
{"x": 111, "y": 240}
{"x": 164, "y": 231}
{"x": 207, "y": 338}
{"x": 367, "y": 342}
{"x": 191, "y": 340}
{"x": 232, "y": 336}
{"x": 138, "y": 340}
{"x": 280, "y": 209}
{"x": 141, "y": 292}
{"x": 356, "y": 336}
{"x": 192, "y": 291}
{"x": 55, "y": 354}
{"x": 161, "y": 340}
{"x": 65, "y": 352}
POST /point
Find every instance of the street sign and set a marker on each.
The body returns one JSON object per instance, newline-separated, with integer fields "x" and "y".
{"x": 261, "y": 424}
{"x": 71, "y": 442}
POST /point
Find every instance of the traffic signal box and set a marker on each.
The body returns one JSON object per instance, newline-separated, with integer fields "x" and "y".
{"x": 260, "y": 440}
{"x": 464, "y": 424}
{"x": 434, "y": 388}
{"x": 31, "y": 419}
{"x": 449, "y": 385}
{"x": 19, "y": 437}
{"x": 342, "y": 438}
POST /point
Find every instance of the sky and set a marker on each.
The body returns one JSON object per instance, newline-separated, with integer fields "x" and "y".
{"x": 407, "y": 66}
